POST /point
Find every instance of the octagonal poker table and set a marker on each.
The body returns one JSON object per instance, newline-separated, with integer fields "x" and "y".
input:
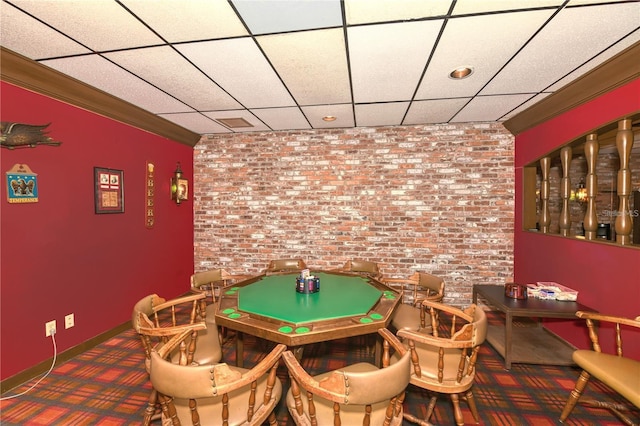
{"x": 269, "y": 307}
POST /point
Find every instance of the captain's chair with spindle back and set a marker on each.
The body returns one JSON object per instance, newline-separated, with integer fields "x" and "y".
{"x": 217, "y": 394}
{"x": 444, "y": 362}
{"x": 620, "y": 373}
{"x": 358, "y": 394}
{"x": 284, "y": 266}
{"x": 156, "y": 321}
{"x": 424, "y": 286}
{"x": 209, "y": 283}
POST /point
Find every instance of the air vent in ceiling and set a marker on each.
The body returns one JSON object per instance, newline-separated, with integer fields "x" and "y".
{"x": 234, "y": 123}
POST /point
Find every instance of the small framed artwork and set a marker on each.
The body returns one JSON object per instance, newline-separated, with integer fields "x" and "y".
{"x": 109, "y": 190}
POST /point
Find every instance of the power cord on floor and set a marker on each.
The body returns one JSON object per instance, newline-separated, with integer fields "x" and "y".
{"x": 55, "y": 355}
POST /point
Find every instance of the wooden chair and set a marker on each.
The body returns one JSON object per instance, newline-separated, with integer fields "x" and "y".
{"x": 283, "y": 266}
{"x": 216, "y": 394}
{"x": 444, "y": 362}
{"x": 412, "y": 317}
{"x": 156, "y": 321}
{"x": 209, "y": 283}
{"x": 616, "y": 371}
{"x": 362, "y": 267}
{"x": 357, "y": 394}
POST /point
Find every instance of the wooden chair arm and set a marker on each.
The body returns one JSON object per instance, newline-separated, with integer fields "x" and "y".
{"x": 172, "y": 331}
{"x": 180, "y": 334}
{"x": 439, "y": 342}
{"x": 393, "y": 340}
{"x": 228, "y": 381}
{"x": 632, "y": 322}
{"x": 331, "y": 390}
{"x": 385, "y": 280}
{"x": 179, "y": 300}
{"x": 449, "y": 309}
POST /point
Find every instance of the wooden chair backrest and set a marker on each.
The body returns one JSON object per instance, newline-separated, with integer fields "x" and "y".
{"x": 199, "y": 383}
{"x": 354, "y": 388}
{"x": 157, "y": 320}
{"x": 363, "y": 267}
{"x": 466, "y": 331}
{"x": 593, "y": 319}
{"x": 286, "y": 265}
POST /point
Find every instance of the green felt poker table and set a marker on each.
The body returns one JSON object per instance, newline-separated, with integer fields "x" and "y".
{"x": 269, "y": 307}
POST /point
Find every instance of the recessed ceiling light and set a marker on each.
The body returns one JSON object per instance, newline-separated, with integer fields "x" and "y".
{"x": 461, "y": 72}
{"x": 329, "y": 118}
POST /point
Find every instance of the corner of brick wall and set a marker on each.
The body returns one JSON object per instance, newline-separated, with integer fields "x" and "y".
{"x": 437, "y": 198}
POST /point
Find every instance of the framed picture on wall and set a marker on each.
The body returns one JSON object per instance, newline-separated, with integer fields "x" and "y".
{"x": 109, "y": 190}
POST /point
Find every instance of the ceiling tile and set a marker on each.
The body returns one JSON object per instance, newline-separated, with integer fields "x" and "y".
{"x": 343, "y": 114}
{"x": 607, "y": 54}
{"x": 105, "y": 19}
{"x": 382, "y": 114}
{"x": 434, "y": 111}
{"x": 312, "y": 64}
{"x": 489, "y": 108}
{"x": 43, "y": 41}
{"x": 525, "y": 105}
{"x": 191, "y": 20}
{"x": 367, "y": 11}
{"x": 387, "y": 60}
{"x": 478, "y": 42}
{"x": 474, "y": 6}
{"x": 272, "y": 16}
{"x": 555, "y": 52}
{"x": 239, "y": 67}
{"x": 282, "y": 118}
{"x": 104, "y": 75}
{"x": 163, "y": 67}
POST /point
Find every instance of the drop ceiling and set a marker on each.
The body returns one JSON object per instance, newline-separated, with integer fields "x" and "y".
{"x": 217, "y": 66}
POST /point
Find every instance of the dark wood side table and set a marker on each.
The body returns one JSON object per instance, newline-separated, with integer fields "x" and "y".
{"x": 528, "y": 343}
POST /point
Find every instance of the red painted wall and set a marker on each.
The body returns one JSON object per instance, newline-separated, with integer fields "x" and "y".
{"x": 607, "y": 276}
{"x": 58, "y": 256}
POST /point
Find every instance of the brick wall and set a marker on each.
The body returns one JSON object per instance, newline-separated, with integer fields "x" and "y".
{"x": 436, "y": 198}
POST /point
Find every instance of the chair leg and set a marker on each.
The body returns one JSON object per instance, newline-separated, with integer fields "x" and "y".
{"x": 151, "y": 408}
{"x": 413, "y": 419}
{"x": 431, "y": 407}
{"x": 272, "y": 419}
{"x": 575, "y": 395}
{"x": 457, "y": 412}
{"x": 472, "y": 405}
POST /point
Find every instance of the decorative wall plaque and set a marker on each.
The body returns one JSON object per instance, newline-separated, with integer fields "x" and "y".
{"x": 22, "y": 185}
{"x": 149, "y": 206}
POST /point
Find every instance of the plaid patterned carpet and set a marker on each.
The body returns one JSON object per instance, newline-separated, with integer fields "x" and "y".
{"x": 108, "y": 385}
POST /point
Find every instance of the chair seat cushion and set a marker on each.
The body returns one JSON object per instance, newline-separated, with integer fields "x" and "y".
{"x": 210, "y": 409}
{"x": 619, "y": 373}
{"x": 407, "y": 317}
{"x": 349, "y": 414}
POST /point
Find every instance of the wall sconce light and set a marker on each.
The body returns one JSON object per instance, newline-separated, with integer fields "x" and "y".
{"x": 179, "y": 186}
{"x": 580, "y": 194}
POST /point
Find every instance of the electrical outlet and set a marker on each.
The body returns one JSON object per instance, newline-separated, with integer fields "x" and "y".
{"x": 50, "y": 328}
{"x": 69, "y": 321}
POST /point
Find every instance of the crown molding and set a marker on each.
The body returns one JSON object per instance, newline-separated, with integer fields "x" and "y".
{"x": 609, "y": 75}
{"x": 28, "y": 74}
